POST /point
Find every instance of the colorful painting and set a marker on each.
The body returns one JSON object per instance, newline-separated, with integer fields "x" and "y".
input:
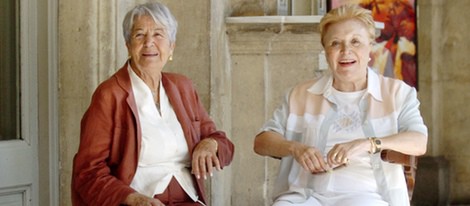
{"x": 395, "y": 51}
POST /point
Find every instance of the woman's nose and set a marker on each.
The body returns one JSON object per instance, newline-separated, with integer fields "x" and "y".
{"x": 345, "y": 47}
{"x": 148, "y": 41}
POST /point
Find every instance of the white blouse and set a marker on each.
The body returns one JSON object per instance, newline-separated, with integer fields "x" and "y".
{"x": 164, "y": 151}
{"x": 346, "y": 127}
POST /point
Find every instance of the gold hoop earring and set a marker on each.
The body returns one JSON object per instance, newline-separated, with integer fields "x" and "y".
{"x": 171, "y": 58}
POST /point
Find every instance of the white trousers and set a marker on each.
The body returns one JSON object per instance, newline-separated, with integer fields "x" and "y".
{"x": 310, "y": 202}
{"x": 358, "y": 200}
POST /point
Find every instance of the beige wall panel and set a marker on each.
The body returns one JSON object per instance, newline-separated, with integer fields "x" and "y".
{"x": 253, "y": 7}
{"x": 192, "y": 54}
{"x": 220, "y": 96}
{"x": 429, "y": 26}
{"x": 455, "y": 76}
{"x": 264, "y": 66}
{"x": 77, "y": 76}
{"x": 247, "y": 112}
{"x": 455, "y": 134}
{"x": 460, "y": 178}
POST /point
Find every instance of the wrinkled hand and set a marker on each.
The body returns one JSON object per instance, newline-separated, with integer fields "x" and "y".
{"x": 340, "y": 153}
{"x": 310, "y": 158}
{"x": 205, "y": 158}
{"x": 137, "y": 199}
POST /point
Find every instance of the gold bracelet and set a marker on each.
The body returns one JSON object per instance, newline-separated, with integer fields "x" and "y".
{"x": 375, "y": 145}
{"x": 372, "y": 146}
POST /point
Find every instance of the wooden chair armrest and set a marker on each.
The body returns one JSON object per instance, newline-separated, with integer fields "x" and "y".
{"x": 399, "y": 158}
{"x": 409, "y": 162}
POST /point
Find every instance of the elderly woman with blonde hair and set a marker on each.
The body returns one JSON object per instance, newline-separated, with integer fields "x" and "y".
{"x": 329, "y": 131}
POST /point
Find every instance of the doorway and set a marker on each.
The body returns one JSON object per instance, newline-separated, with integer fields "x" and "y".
{"x": 28, "y": 153}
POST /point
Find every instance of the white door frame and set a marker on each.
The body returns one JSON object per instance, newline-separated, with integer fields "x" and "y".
{"x": 30, "y": 159}
{"x": 52, "y": 88}
{"x": 48, "y": 145}
{"x": 19, "y": 172}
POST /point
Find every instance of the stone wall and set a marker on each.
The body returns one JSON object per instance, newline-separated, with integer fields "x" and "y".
{"x": 444, "y": 83}
{"x": 264, "y": 65}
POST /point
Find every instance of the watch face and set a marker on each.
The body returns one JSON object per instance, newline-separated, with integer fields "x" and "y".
{"x": 378, "y": 142}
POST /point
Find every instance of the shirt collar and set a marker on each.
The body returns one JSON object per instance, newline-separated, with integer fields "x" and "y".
{"x": 373, "y": 84}
{"x": 324, "y": 85}
{"x": 144, "y": 94}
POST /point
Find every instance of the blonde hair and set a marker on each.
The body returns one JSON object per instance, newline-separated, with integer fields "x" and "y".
{"x": 348, "y": 12}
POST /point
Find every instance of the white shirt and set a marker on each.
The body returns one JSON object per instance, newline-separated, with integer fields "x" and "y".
{"x": 164, "y": 151}
{"x": 347, "y": 126}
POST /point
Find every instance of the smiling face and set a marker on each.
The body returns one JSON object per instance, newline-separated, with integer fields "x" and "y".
{"x": 348, "y": 45}
{"x": 149, "y": 45}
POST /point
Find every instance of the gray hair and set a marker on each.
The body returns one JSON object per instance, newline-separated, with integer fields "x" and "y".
{"x": 159, "y": 12}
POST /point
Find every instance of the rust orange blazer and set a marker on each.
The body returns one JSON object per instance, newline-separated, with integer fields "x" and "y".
{"x": 110, "y": 138}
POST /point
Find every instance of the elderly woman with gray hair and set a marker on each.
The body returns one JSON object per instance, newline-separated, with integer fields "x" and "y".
{"x": 146, "y": 139}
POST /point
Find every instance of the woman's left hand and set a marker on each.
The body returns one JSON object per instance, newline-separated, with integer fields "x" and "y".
{"x": 205, "y": 158}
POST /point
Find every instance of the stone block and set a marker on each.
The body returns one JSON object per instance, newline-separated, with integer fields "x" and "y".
{"x": 432, "y": 182}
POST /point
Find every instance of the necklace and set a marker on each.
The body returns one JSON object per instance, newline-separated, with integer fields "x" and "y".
{"x": 156, "y": 98}
{"x": 157, "y": 104}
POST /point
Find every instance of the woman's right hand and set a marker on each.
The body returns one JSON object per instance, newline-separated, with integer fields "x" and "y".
{"x": 310, "y": 158}
{"x": 137, "y": 199}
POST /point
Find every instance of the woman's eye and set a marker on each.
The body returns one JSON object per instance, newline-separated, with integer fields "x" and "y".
{"x": 138, "y": 35}
{"x": 356, "y": 42}
{"x": 334, "y": 44}
{"x": 158, "y": 34}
